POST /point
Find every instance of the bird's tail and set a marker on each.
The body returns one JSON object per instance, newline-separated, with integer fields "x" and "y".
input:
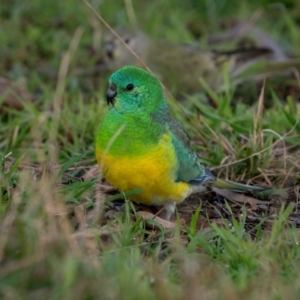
{"x": 240, "y": 188}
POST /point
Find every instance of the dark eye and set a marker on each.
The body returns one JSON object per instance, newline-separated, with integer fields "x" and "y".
{"x": 127, "y": 40}
{"x": 129, "y": 87}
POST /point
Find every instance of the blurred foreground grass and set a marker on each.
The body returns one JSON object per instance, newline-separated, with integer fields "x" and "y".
{"x": 56, "y": 240}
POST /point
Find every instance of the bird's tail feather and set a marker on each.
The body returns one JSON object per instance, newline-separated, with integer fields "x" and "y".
{"x": 239, "y": 187}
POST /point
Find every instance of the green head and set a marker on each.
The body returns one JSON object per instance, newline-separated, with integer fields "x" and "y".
{"x": 135, "y": 90}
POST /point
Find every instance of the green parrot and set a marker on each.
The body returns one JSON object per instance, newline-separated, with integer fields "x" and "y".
{"x": 178, "y": 65}
{"x": 141, "y": 146}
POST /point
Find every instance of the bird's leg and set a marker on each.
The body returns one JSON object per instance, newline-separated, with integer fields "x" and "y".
{"x": 199, "y": 189}
{"x": 170, "y": 209}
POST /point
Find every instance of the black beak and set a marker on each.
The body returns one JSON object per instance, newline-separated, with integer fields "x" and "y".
{"x": 111, "y": 93}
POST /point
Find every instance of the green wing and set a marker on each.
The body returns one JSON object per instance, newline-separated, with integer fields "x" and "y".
{"x": 190, "y": 165}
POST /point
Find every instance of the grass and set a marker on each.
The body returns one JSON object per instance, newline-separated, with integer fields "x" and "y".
{"x": 66, "y": 241}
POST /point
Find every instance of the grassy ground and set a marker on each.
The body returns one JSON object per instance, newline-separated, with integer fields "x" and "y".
{"x": 61, "y": 237}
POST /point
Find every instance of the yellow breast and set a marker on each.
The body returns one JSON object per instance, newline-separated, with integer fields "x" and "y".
{"x": 154, "y": 173}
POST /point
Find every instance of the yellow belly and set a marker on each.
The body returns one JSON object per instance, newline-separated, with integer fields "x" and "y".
{"x": 153, "y": 172}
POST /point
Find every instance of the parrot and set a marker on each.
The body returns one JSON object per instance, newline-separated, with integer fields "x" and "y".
{"x": 139, "y": 145}
{"x": 177, "y": 64}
